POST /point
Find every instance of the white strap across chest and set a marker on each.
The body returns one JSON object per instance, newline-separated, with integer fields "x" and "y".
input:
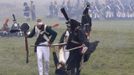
{"x": 38, "y": 32}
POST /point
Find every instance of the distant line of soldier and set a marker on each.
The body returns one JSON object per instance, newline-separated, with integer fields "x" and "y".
{"x": 29, "y": 11}
{"x": 110, "y": 9}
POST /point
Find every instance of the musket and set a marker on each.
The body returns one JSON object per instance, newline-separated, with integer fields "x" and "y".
{"x": 60, "y": 44}
{"x": 26, "y": 47}
{"x": 56, "y": 44}
{"x": 25, "y": 28}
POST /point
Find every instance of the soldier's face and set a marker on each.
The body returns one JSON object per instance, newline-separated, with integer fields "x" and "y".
{"x": 39, "y": 26}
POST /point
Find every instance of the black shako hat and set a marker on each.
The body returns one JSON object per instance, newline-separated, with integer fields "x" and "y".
{"x": 24, "y": 27}
{"x": 73, "y": 24}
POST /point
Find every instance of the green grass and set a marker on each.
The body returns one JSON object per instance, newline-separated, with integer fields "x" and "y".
{"x": 114, "y": 54}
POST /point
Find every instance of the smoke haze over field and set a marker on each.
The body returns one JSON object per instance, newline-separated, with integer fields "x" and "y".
{"x": 16, "y": 6}
{"x": 8, "y": 7}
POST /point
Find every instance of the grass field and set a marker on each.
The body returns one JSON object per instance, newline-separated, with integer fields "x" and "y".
{"x": 114, "y": 54}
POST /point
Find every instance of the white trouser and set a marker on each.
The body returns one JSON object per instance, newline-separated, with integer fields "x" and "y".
{"x": 66, "y": 53}
{"x": 43, "y": 52}
{"x": 63, "y": 55}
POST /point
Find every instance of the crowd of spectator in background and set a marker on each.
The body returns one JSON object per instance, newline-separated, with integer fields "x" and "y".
{"x": 29, "y": 11}
{"x": 111, "y": 9}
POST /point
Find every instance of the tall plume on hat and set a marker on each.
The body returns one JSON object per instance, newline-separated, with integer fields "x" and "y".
{"x": 65, "y": 14}
{"x": 73, "y": 23}
{"x": 86, "y": 9}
